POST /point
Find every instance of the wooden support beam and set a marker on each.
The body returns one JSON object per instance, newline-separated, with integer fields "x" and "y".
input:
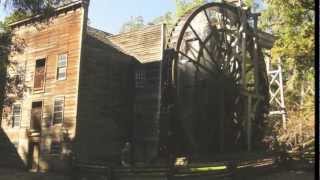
{"x": 249, "y": 128}
{"x": 222, "y": 119}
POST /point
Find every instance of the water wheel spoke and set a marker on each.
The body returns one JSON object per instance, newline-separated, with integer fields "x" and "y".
{"x": 215, "y": 72}
{"x": 197, "y": 63}
{"x": 203, "y": 45}
{"x": 208, "y": 19}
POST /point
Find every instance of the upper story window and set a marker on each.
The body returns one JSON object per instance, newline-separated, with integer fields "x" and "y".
{"x": 58, "y": 110}
{"x": 140, "y": 79}
{"x": 39, "y": 75}
{"x": 62, "y": 67}
{"x": 16, "y": 115}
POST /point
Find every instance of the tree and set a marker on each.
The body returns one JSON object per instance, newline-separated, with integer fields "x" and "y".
{"x": 182, "y": 6}
{"x": 252, "y": 4}
{"x": 134, "y": 23}
{"x": 20, "y": 10}
{"x": 32, "y": 7}
{"x": 168, "y": 19}
{"x": 292, "y": 22}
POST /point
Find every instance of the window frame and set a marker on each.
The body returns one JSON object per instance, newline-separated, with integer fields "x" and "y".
{"x": 57, "y": 67}
{"x": 140, "y": 79}
{"x": 53, "y": 112}
{"x": 12, "y": 115}
{"x": 37, "y": 90}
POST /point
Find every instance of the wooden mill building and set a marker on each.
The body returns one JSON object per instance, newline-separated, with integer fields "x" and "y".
{"x": 77, "y": 90}
{"x": 81, "y": 92}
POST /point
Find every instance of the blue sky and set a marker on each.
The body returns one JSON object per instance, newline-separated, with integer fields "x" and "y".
{"x": 109, "y": 15}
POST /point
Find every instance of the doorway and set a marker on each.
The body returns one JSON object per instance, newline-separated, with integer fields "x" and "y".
{"x": 33, "y": 156}
{"x": 35, "y": 136}
{"x": 36, "y": 116}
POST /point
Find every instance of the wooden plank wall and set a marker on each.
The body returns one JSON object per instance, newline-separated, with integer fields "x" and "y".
{"x": 48, "y": 39}
{"x": 105, "y": 102}
{"x": 146, "y": 125}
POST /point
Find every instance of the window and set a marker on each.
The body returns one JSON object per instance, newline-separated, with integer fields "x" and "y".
{"x": 140, "y": 79}
{"x": 55, "y": 147}
{"x": 39, "y": 75}
{"x": 62, "y": 67}
{"x": 58, "y": 110}
{"x": 16, "y": 115}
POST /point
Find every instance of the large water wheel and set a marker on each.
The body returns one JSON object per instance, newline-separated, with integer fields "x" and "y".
{"x": 214, "y": 81}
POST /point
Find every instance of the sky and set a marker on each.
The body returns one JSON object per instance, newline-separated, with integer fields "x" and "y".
{"x": 109, "y": 15}
{"x": 3, "y": 13}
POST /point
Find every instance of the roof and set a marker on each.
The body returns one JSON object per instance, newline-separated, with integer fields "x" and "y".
{"x": 72, "y": 4}
{"x": 146, "y": 44}
{"x": 103, "y": 37}
{"x": 266, "y": 40}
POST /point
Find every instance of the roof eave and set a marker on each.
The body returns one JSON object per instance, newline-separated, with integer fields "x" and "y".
{"x": 58, "y": 10}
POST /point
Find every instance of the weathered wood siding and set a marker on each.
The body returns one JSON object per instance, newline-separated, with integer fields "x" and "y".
{"x": 147, "y": 99}
{"x": 147, "y": 111}
{"x": 47, "y": 39}
{"x": 105, "y": 101}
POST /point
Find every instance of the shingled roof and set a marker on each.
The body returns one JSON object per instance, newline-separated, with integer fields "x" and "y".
{"x": 146, "y": 44}
{"x": 103, "y": 37}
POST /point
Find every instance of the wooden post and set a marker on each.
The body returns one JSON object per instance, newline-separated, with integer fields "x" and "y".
{"x": 255, "y": 54}
{"x": 276, "y": 91}
{"x": 222, "y": 117}
{"x": 284, "y": 123}
{"x": 249, "y": 115}
{"x": 243, "y": 51}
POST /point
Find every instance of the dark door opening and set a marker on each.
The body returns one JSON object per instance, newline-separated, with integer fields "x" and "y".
{"x": 34, "y": 138}
{"x": 36, "y": 116}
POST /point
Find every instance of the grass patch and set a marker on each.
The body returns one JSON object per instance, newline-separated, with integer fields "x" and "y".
{"x": 203, "y": 169}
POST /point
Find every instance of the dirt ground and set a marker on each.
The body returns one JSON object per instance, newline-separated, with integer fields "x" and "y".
{"x": 289, "y": 175}
{"x": 11, "y": 174}
{"x": 14, "y": 174}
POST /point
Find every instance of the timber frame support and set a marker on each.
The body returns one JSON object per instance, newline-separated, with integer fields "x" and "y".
{"x": 276, "y": 90}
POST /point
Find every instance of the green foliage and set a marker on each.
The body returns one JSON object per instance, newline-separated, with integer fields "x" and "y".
{"x": 169, "y": 18}
{"x": 5, "y": 43}
{"x": 32, "y": 7}
{"x": 183, "y": 6}
{"x": 27, "y": 8}
{"x": 134, "y": 23}
{"x": 292, "y": 22}
{"x": 21, "y": 9}
{"x": 15, "y": 16}
{"x": 5, "y": 47}
{"x": 252, "y": 4}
